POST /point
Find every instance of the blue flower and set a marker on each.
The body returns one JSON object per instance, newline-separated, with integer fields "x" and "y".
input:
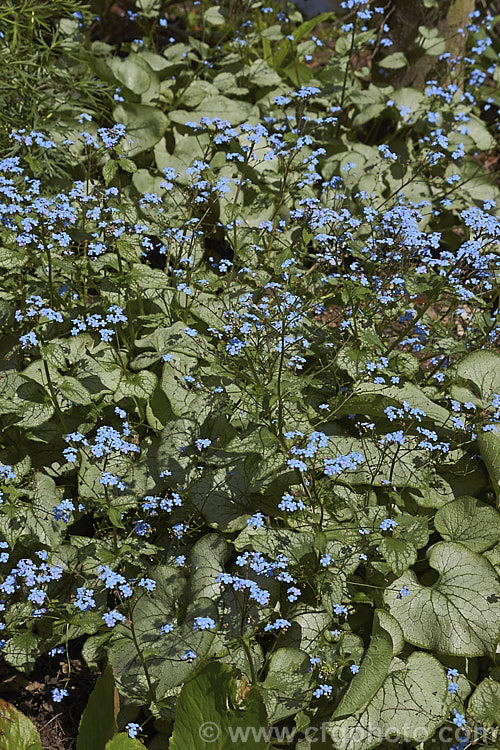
{"x": 111, "y": 618}
{"x": 147, "y": 583}
{"x": 133, "y": 729}
{"x": 189, "y": 655}
{"x": 202, "y": 443}
{"x": 84, "y": 599}
{"x": 387, "y": 524}
{"x": 339, "y": 609}
{"x": 203, "y": 623}
{"x": 323, "y": 690}
{"x": 58, "y": 694}
{"x": 278, "y": 624}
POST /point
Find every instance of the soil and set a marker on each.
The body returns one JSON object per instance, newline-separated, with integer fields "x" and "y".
{"x": 57, "y": 723}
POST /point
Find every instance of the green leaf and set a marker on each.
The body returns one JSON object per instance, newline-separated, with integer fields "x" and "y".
{"x": 300, "y": 32}
{"x": 307, "y": 630}
{"x": 482, "y": 369}
{"x": 12, "y": 259}
{"x": 489, "y": 445}
{"x": 430, "y": 41}
{"x": 98, "y": 722}
{"x": 465, "y": 520}
{"x": 412, "y": 702}
{"x": 185, "y": 399}
{"x": 399, "y": 548}
{"x": 74, "y": 391}
{"x": 373, "y": 669}
{"x": 399, "y": 553}
{"x": 207, "y": 560}
{"x": 460, "y": 613}
{"x": 165, "y": 451}
{"x": 145, "y": 125}
{"x": 150, "y": 278}
{"x": 21, "y": 651}
{"x": 373, "y": 398}
{"x": 234, "y": 110}
{"x": 133, "y": 72}
{"x": 136, "y": 385}
{"x": 294, "y": 544}
{"x": 53, "y": 354}
{"x": 145, "y": 182}
{"x": 109, "y": 170}
{"x": 394, "y": 61}
{"x": 215, "y": 16}
{"x": 40, "y": 518}
{"x": 287, "y": 681}
{"x": 33, "y": 405}
{"x": 128, "y": 165}
{"x": 484, "y": 704}
{"x": 195, "y": 93}
{"x": 16, "y": 730}
{"x": 261, "y": 74}
{"x": 122, "y": 741}
{"x": 479, "y": 134}
{"x": 215, "y": 701}
{"x": 152, "y": 611}
{"x": 368, "y": 113}
{"x": 222, "y": 497}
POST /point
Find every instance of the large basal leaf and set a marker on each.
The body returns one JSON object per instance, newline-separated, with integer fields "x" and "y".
{"x": 288, "y": 679}
{"x": 207, "y": 560}
{"x": 373, "y": 398}
{"x": 400, "y": 547}
{"x": 484, "y": 705}
{"x": 21, "y": 651}
{"x": 489, "y": 445}
{"x": 98, "y": 722}
{"x": 144, "y": 124}
{"x": 221, "y": 497}
{"x": 411, "y": 703}
{"x": 216, "y": 106}
{"x": 123, "y": 742}
{"x": 33, "y": 405}
{"x": 294, "y": 544}
{"x": 16, "y": 730}
{"x": 482, "y": 369}
{"x": 72, "y": 390}
{"x": 136, "y": 385}
{"x": 374, "y": 667}
{"x": 307, "y": 630}
{"x": 167, "y": 451}
{"x": 406, "y": 468}
{"x": 464, "y": 520}
{"x": 185, "y": 399}
{"x": 133, "y": 72}
{"x": 460, "y": 613}
{"x": 213, "y": 706}
{"x": 166, "y": 605}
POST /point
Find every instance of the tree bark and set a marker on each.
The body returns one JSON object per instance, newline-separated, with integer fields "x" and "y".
{"x": 406, "y": 17}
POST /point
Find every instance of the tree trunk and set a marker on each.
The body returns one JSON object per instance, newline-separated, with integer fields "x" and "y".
{"x": 407, "y": 16}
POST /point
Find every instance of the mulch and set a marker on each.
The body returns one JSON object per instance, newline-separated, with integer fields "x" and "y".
{"x": 57, "y": 723}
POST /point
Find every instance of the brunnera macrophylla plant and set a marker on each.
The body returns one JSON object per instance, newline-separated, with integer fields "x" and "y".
{"x": 250, "y": 427}
{"x": 246, "y": 460}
